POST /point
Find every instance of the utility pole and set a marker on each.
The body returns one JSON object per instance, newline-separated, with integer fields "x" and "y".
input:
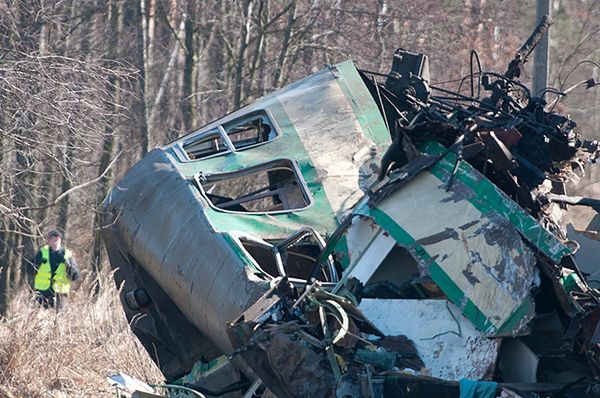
{"x": 541, "y": 53}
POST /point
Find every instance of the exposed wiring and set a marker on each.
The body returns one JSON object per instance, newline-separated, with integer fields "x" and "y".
{"x": 451, "y": 81}
{"x": 374, "y": 73}
{"x": 383, "y": 112}
{"x": 562, "y": 86}
{"x": 511, "y": 81}
{"x": 584, "y": 61}
{"x": 348, "y": 332}
{"x": 551, "y": 90}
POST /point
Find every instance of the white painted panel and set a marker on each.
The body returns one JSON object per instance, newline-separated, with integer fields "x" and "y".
{"x": 359, "y": 236}
{"x": 448, "y": 352}
{"x": 372, "y": 257}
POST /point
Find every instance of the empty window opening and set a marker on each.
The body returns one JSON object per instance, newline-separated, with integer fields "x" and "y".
{"x": 207, "y": 145}
{"x": 298, "y": 261}
{"x": 263, "y": 256}
{"x": 398, "y": 277}
{"x": 251, "y": 130}
{"x": 298, "y": 254}
{"x": 294, "y": 257}
{"x": 238, "y": 134}
{"x": 268, "y": 188}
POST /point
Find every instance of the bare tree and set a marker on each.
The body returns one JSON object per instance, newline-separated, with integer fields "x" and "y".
{"x": 54, "y": 120}
{"x": 81, "y": 82}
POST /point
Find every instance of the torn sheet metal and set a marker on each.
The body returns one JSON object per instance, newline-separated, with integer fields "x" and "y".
{"x": 519, "y": 363}
{"x": 476, "y": 256}
{"x": 466, "y": 208}
{"x": 315, "y": 343}
{"x": 332, "y": 116}
{"x": 127, "y": 385}
{"x": 280, "y": 353}
{"x": 217, "y": 375}
{"x": 162, "y": 193}
{"x": 450, "y": 347}
{"x": 204, "y": 285}
{"x": 489, "y": 198}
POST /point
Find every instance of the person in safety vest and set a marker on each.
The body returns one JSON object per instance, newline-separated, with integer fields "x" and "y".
{"x": 55, "y": 268}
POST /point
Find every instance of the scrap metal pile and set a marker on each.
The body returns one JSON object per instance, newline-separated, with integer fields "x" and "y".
{"x": 454, "y": 272}
{"x": 303, "y": 343}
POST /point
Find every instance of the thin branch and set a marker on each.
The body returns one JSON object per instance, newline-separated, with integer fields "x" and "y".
{"x": 67, "y": 192}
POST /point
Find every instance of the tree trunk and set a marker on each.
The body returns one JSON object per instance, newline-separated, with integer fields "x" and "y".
{"x": 140, "y": 63}
{"x": 151, "y": 35}
{"x": 21, "y": 244}
{"x": 241, "y": 55}
{"x": 283, "y": 53}
{"x": 261, "y": 14}
{"x": 67, "y": 153}
{"x": 7, "y": 249}
{"x": 154, "y": 138}
{"x": 115, "y": 13}
{"x": 188, "y": 69}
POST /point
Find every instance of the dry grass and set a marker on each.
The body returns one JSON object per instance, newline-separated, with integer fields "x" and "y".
{"x": 69, "y": 353}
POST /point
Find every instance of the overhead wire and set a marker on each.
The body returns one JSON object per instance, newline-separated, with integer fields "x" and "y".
{"x": 577, "y": 65}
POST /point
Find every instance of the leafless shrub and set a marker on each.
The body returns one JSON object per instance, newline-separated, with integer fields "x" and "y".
{"x": 55, "y": 111}
{"x": 44, "y": 353}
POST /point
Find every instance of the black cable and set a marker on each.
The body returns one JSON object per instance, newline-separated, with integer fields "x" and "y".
{"x": 584, "y": 61}
{"x": 475, "y": 55}
{"x": 526, "y": 119}
{"x": 385, "y": 118}
{"x": 374, "y": 73}
{"x": 511, "y": 81}
{"x": 562, "y": 86}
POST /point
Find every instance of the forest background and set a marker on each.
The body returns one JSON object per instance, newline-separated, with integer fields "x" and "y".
{"x": 87, "y": 87}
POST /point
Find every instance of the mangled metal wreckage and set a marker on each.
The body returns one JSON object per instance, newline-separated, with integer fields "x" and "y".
{"x": 350, "y": 237}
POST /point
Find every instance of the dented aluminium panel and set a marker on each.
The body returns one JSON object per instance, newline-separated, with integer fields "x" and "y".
{"x": 310, "y": 117}
{"x": 476, "y": 257}
{"x": 326, "y": 238}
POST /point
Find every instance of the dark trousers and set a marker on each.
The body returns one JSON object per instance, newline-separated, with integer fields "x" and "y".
{"x": 49, "y": 299}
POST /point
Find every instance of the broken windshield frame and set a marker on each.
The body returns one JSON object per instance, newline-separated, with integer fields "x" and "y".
{"x": 269, "y": 254}
{"x": 287, "y": 194}
{"x": 245, "y": 132}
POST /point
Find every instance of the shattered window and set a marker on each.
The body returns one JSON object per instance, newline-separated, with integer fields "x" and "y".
{"x": 244, "y": 132}
{"x": 272, "y": 187}
{"x": 262, "y": 254}
{"x": 297, "y": 262}
{"x": 294, "y": 257}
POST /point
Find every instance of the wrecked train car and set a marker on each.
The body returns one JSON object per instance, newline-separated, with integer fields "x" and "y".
{"x": 350, "y": 237}
{"x": 240, "y": 187}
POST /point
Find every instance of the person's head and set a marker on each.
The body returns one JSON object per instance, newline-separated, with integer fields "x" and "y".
{"x": 54, "y": 239}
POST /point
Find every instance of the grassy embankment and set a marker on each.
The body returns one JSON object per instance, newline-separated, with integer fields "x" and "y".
{"x": 69, "y": 353}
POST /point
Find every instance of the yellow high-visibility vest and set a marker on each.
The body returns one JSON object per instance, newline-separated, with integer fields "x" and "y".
{"x": 43, "y": 278}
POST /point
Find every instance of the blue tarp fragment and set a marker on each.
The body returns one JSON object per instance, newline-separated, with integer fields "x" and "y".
{"x": 477, "y": 389}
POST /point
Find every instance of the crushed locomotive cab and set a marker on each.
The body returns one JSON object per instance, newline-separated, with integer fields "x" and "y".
{"x": 358, "y": 234}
